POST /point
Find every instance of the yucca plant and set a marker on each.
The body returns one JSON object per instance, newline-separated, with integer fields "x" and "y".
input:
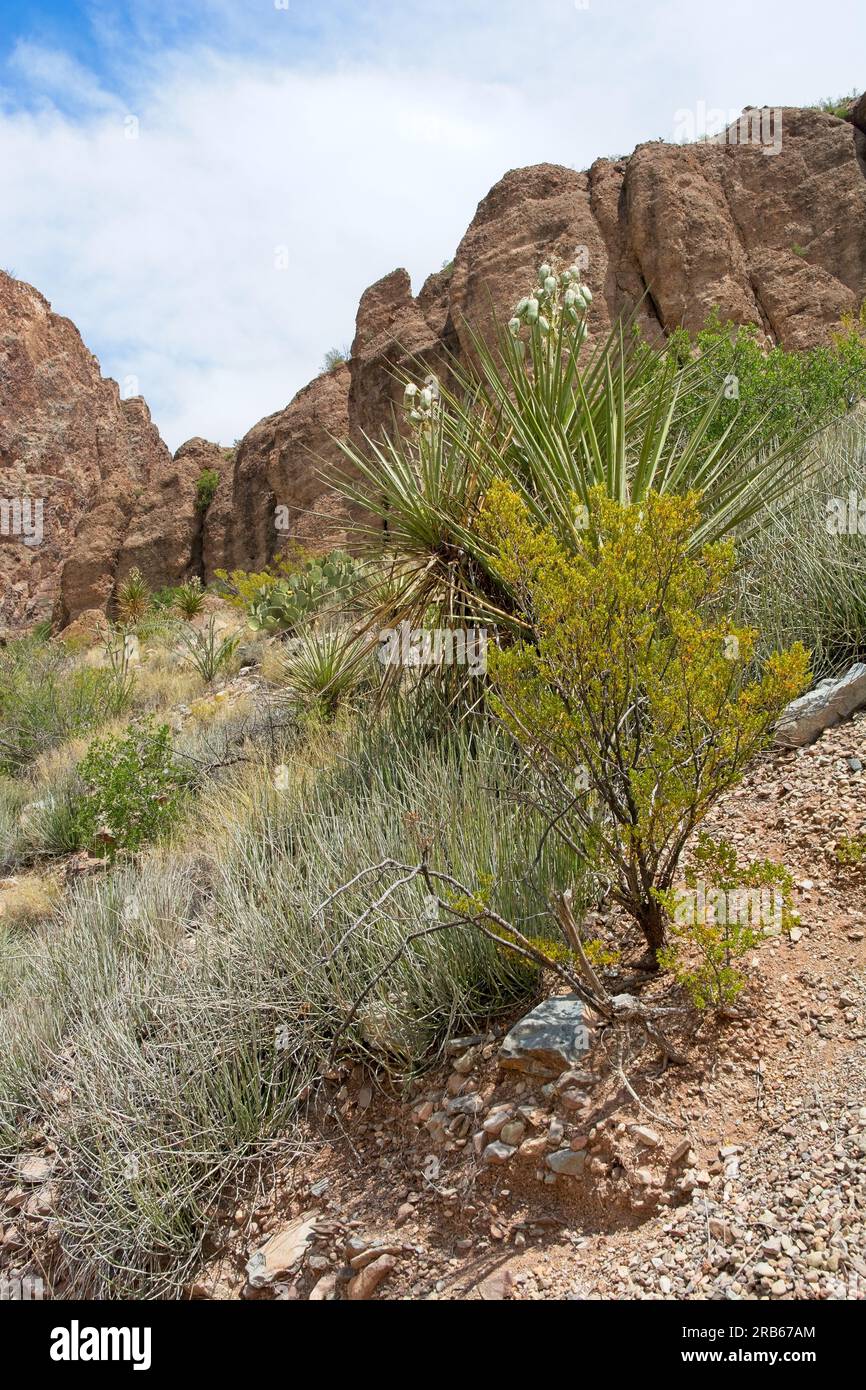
{"x": 556, "y": 420}
{"x": 133, "y": 598}
{"x": 189, "y": 598}
{"x": 324, "y": 669}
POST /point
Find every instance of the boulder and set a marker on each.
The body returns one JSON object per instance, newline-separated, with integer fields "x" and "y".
{"x": 857, "y": 113}
{"x": 828, "y": 704}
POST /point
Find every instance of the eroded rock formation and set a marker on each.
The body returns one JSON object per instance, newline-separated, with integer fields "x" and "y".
{"x": 774, "y": 238}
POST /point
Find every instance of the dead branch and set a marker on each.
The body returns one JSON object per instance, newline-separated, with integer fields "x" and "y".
{"x": 584, "y": 982}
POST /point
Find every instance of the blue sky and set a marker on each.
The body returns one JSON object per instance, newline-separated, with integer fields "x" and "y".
{"x": 206, "y": 188}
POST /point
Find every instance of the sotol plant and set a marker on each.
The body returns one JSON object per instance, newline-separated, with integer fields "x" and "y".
{"x": 188, "y": 598}
{"x": 325, "y": 670}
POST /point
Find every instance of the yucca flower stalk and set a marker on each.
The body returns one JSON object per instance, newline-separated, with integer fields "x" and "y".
{"x": 556, "y": 416}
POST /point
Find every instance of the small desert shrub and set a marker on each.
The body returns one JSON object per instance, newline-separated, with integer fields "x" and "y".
{"x": 160, "y": 686}
{"x": 851, "y": 850}
{"x": 207, "y": 652}
{"x": 206, "y": 488}
{"x": 163, "y": 600}
{"x": 837, "y": 106}
{"x": 636, "y": 698}
{"x": 133, "y": 599}
{"x": 239, "y": 587}
{"x": 334, "y": 358}
{"x": 725, "y": 910}
{"x": 133, "y": 788}
{"x": 777, "y": 390}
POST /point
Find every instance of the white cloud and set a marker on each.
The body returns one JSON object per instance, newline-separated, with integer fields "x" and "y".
{"x": 163, "y": 248}
{"x": 56, "y": 74}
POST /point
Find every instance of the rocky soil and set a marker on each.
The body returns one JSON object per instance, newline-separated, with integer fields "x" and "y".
{"x": 740, "y": 1175}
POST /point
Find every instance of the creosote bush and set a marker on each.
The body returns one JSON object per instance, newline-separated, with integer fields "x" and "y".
{"x": 635, "y": 695}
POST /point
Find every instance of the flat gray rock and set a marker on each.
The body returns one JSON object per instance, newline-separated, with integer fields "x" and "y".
{"x": 569, "y": 1161}
{"x": 828, "y": 704}
{"x": 551, "y": 1039}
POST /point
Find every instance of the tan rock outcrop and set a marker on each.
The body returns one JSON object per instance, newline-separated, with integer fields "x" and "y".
{"x": 67, "y": 440}
{"x": 274, "y": 493}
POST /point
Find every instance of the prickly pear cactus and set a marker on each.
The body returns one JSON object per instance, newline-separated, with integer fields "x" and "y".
{"x": 288, "y": 603}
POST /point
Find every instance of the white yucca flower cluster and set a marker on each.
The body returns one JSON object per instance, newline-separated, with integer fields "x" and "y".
{"x": 557, "y": 298}
{"x": 420, "y": 402}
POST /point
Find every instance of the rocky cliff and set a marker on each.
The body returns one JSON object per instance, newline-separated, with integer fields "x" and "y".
{"x": 767, "y": 233}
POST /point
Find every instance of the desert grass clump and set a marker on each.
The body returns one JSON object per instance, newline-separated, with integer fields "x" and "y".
{"x": 208, "y": 652}
{"x": 801, "y": 573}
{"x": 14, "y": 794}
{"x": 46, "y": 698}
{"x": 186, "y": 1005}
{"x": 26, "y": 901}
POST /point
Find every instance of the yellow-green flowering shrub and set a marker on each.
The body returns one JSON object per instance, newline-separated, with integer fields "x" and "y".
{"x": 635, "y": 694}
{"x": 724, "y": 910}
